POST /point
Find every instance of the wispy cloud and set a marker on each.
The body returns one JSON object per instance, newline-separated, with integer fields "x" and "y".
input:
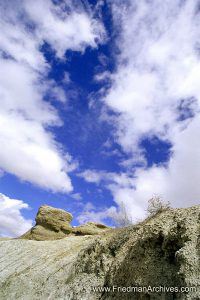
{"x": 76, "y": 196}
{"x": 91, "y": 176}
{"x": 28, "y": 148}
{"x": 122, "y": 187}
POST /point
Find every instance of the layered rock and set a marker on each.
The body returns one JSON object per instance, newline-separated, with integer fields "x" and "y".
{"x": 90, "y": 228}
{"x": 53, "y": 224}
{"x": 161, "y": 251}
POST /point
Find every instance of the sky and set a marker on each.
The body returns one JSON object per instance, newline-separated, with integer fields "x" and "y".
{"x": 99, "y": 108}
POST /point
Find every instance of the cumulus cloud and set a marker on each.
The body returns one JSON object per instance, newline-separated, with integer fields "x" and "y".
{"x": 158, "y": 67}
{"x": 155, "y": 92}
{"x": 12, "y": 223}
{"x": 178, "y": 183}
{"x": 28, "y": 147}
{"x": 90, "y": 214}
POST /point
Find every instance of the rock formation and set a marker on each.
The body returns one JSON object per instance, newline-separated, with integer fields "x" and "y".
{"x": 163, "y": 251}
{"x": 53, "y": 224}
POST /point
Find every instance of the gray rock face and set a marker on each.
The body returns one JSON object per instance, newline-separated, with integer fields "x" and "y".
{"x": 161, "y": 251}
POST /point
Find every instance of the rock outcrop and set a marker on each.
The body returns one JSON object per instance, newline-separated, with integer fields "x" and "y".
{"x": 133, "y": 262}
{"x": 53, "y": 224}
{"x": 90, "y": 228}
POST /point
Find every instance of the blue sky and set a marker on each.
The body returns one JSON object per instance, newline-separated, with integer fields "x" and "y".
{"x": 99, "y": 108}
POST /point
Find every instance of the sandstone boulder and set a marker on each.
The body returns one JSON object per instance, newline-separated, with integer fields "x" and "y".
{"x": 53, "y": 218}
{"x": 51, "y": 224}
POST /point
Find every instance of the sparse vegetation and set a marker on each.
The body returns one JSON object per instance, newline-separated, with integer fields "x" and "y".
{"x": 156, "y": 205}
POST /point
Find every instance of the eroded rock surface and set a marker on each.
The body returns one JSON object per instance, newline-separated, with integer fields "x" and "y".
{"x": 90, "y": 228}
{"x": 161, "y": 251}
{"x": 53, "y": 224}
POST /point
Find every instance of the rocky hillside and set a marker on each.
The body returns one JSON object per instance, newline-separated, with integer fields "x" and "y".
{"x": 56, "y": 261}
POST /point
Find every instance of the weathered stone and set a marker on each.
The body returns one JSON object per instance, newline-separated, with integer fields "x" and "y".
{"x": 51, "y": 224}
{"x": 53, "y": 218}
{"x": 161, "y": 251}
{"x": 90, "y": 228}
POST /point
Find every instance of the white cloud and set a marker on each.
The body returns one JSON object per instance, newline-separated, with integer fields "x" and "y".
{"x": 63, "y": 30}
{"x": 158, "y": 66}
{"x": 91, "y": 176}
{"x": 102, "y": 76}
{"x": 28, "y": 148}
{"x": 122, "y": 186}
{"x": 89, "y": 214}
{"x": 178, "y": 183}
{"x": 12, "y": 223}
{"x": 76, "y": 196}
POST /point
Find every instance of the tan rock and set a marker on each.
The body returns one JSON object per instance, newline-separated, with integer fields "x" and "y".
{"x": 90, "y": 228}
{"x": 51, "y": 224}
{"x": 52, "y": 218}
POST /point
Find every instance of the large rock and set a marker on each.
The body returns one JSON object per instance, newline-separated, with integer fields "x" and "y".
{"x": 53, "y": 218}
{"x": 163, "y": 251}
{"x": 51, "y": 224}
